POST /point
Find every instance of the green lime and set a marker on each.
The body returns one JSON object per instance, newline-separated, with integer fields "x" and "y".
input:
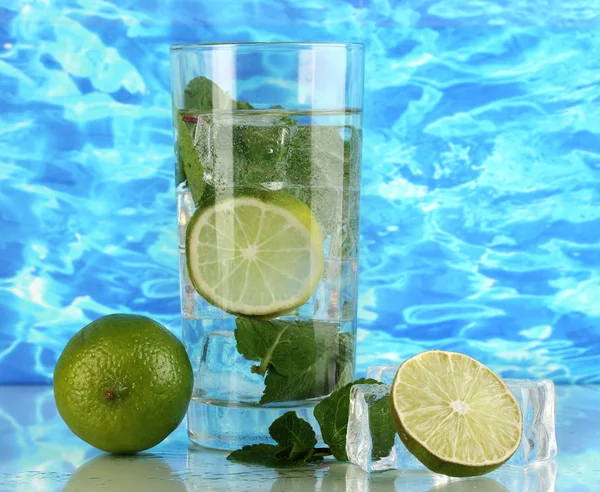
{"x": 123, "y": 383}
{"x": 255, "y": 253}
{"x": 454, "y": 414}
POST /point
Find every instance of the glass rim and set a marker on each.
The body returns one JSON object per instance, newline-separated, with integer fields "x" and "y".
{"x": 288, "y": 44}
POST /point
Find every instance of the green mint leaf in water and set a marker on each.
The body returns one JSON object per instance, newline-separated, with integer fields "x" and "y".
{"x": 288, "y": 346}
{"x": 316, "y": 380}
{"x": 189, "y": 160}
{"x": 202, "y": 94}
{"x": 345, "y": 364}
{"x": 295, "y": 437}
{"x": 296, "y": 442}
{"x": 299, "y": 358}
{"x": 383, "y": 430}
{"x": 332, "y": 413}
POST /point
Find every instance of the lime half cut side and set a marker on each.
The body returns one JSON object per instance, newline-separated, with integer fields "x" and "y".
{"x": 454, "y": 414}
{"x": 255, "y": 253}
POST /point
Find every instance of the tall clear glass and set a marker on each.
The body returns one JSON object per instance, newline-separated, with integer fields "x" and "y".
{"x": 268, "y": 156}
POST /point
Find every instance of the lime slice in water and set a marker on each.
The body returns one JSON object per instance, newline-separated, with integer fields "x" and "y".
{"x": 454, "y": 414}
{"x": 255, "y": 253}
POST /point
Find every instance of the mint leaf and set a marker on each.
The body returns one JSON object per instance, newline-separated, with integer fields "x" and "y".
{"x": 299, "y": 358}
{"x": 290, "y": 347}
{"x": 295, "y": 436}
{"x": 258, "y": 454}
{"x": 383, "y": 430}
{"x": 200, "y": 95}
{"x": 313, "y": 382}
{"x": 189, "y": 160}
{"x": 295, "y": 445}
{"x": 345, "y": 365}
{"x": 332, "y": 414}
{"x": 203, "y": 94}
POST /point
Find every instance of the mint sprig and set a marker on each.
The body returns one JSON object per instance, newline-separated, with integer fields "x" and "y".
{"x": 296, "y": 439}
{"x": 296, "y": 443}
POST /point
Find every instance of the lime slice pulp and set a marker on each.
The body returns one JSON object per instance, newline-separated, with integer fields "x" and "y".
{"x": 255, "y": 253}
{"x": 454, "y": 414}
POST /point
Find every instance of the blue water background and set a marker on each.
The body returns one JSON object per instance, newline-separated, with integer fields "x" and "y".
{"x": 481, "y": 181}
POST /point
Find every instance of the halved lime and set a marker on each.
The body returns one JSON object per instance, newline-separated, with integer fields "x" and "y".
{"x": 454, "y": 414}
{"x": 254, "y": 252}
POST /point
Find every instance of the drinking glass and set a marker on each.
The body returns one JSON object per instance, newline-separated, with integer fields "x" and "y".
{"x": 268, "y": 157}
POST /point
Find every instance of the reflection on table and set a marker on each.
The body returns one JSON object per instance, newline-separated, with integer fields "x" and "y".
{"x": 39, "y": 453}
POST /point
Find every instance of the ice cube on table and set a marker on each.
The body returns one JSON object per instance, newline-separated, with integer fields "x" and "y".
{"x": 223, "y": 373}
{"x": 536, "y": 398}
{"x": 359, "y": 442}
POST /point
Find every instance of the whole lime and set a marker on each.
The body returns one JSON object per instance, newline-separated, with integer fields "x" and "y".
{"x": 123, "y": 383}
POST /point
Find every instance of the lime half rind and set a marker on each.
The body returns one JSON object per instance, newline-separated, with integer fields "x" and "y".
{"x": 257, "y": 253}
{"x": 455, "y": 415}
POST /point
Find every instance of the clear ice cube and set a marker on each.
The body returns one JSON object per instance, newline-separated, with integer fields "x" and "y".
{"x": 237, "y": 149}
{"x": 383, "y": 373}
{"x": 223, "y": 373}
{"x": 536, "y": 398}
{"x": 359, "y": 443}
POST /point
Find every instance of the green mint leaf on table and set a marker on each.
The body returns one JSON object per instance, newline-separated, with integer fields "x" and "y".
{"x": 296, "y": 442}
{"x": 258, "y": 454}
{"x": 202, "y": 94}
{"x": 383, "y": 430}
{"x": 332, "y": 413}
{"x": 299, "y": 358}
{"x": 295, "y": 436}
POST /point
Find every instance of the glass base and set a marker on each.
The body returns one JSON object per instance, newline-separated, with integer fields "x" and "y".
{"x": 231, "y": 427}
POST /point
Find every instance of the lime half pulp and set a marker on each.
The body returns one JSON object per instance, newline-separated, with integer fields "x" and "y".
{"x": 255, "y": 253}
{"x": 454, "y": 414}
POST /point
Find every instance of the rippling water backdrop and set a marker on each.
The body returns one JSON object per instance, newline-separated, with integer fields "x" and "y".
{"x": 481, "y": 180}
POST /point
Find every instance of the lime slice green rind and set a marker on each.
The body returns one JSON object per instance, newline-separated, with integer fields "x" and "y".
{"x": 254, "y": 252}
{"x": 454, "y": 414}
